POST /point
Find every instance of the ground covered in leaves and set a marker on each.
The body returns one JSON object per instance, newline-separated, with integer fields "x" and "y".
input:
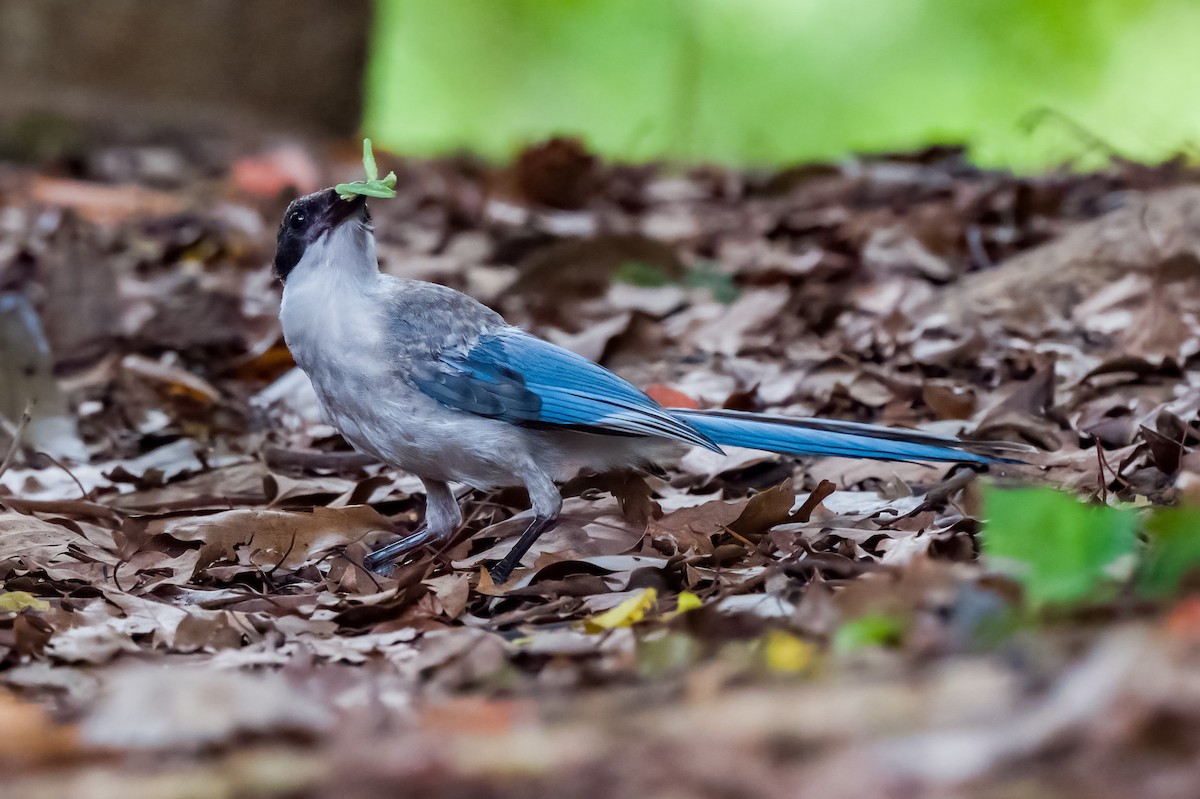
{"x": 184, "y": 609}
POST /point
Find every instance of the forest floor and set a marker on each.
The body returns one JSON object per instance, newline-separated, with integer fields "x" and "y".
{"x": 184, "y": 611}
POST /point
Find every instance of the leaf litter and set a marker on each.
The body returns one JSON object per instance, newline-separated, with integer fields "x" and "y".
{"x": 181, "y": 535}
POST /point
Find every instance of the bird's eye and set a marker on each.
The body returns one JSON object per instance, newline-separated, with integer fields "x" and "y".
{"x": 296, "y": 220}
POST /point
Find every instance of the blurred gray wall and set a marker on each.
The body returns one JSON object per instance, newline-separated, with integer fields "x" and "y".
{"x": 215, "y": 64}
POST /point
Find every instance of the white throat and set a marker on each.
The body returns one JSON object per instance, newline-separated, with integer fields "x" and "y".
{"x": 327, "y": 305}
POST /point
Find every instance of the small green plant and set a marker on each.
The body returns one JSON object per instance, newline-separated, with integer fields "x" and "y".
{"x": 1172, "y": 551}
{"x": 1065, "y": 552}
{"x": 703, "y": 276}
{"x": 872, "y": 630}
{"x": 373, "y": 186}
{"x": 1061, "y": 550}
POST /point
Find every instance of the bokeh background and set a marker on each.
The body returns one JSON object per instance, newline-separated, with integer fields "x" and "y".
{"x": 1025, "y": 83}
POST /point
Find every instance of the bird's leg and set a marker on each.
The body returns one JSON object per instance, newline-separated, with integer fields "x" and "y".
{"x": 547, "y": 503}
{"x": 442, "y": 518}
{"x": 384, "y": 556}
{"x": 504, "y": 569}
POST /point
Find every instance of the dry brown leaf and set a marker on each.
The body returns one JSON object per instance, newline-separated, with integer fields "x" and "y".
{"x": 274, "y": 539}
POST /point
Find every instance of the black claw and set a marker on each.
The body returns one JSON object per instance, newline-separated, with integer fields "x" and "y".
{"x": 500, "y": 573}
{"x": 504, "y": 569}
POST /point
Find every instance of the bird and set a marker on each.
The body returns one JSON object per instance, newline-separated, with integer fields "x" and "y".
{"x": 434, "y": 383}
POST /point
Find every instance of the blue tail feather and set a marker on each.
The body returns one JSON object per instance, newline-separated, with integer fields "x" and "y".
{"x": 801, "y": 436}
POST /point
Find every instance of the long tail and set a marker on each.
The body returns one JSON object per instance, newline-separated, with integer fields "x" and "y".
{"x": 799, "y": 436}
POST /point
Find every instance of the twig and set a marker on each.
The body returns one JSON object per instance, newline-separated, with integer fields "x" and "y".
{"x": 1100, "y": 466}
{"x": 279, "y": 563}
{"x": 1091, "y": 141}
{"x": 83, "y": 493}
{"x": 1116, "y": 475}
{"x": 457, "y": 536}
{"x": 310, "y": 459}
{"x": 78, "y": 507}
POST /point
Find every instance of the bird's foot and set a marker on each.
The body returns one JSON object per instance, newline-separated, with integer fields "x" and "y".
{"x": 383, "y": 560}
{"x": 501, "y": 572}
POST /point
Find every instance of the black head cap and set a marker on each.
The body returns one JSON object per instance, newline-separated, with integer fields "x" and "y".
{"x": 306, "y": 220}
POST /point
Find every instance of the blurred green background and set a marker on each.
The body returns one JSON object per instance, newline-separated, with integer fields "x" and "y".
{"x": 1025, "y": 83}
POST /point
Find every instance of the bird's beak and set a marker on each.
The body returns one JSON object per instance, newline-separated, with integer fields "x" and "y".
{"x": 338, "y": 211}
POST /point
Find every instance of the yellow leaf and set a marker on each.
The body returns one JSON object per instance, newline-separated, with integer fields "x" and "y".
{"x": 687, "y": 601}
{"x": 683, "y": 603}
{"x": 16, "y": 601}
{"x": 787, "y": 653}
{"x": 626, "y": 614}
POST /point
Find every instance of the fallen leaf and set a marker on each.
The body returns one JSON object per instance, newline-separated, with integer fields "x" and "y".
{"x": 784, "y": 652}
{"x": 626, "y": 614}
{"x": 670, "y": 398}
{"x": 274, "y": 539}
{"x": 17, "y": 601}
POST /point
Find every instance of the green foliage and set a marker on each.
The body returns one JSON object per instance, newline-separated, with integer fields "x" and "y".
{"x": 639, "y": 273}
{"x": 702, "y": 276}
{"x": 1173, "y": 550}
{"x": 666, "y": 652}
{"x": 372, "y": 186}
{"x": 775, "y": 81}
{"x": 871, "y": 630}
{"x": 1063, "y": 551}
{"x": 706, "y": 276}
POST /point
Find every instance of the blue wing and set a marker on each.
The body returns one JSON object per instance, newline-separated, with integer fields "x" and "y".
{"x": 523, "y": 380}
